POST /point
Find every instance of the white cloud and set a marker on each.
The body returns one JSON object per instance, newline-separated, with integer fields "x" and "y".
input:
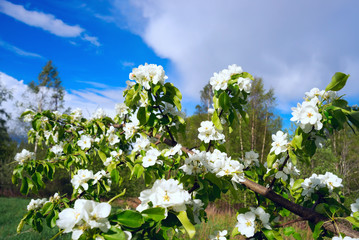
{"x": 93, "y": 40}
{"x": 293, "y": 46}
{"x": 18, "y": 51}
{"x": 45, "y": 21}
{"x": 87, "y": 99}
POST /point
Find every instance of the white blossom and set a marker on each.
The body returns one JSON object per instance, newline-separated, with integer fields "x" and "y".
{"x": 36, "y": 204}
{"x": 84, "y": 142}
{"x": 86, "y": 214}
{"x": 24, "y": 156}
{"x": 121, "y": 109}
{"x": 151, "y": 158}
{"x": 251, "y": 158}
{"x": 58, "y": 149}
{"x": 113, "y": 139}
{"x": 76, "y": 114}
{"x": 208, "y": 132}
{"x": 174, "y": 150}
{"x": 246, "y": 224}
{"x": 142, "y": 143}
{"x": 355, "y": 206}
{"x": 148, "y": 73}
{"x": 168, "y": 194}
{"x": 280, "y": 142}
{"x": 81, "y": 178}
{"x": 316, "y": 182}
{"x": 219, "y": 235}
{"x": 98, "y": 114}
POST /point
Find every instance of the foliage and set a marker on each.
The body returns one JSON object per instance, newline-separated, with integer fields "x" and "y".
{"x": 181, "y": 182}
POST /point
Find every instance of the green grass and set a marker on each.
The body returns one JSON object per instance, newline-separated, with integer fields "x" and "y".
{"x": 11, "y": 212}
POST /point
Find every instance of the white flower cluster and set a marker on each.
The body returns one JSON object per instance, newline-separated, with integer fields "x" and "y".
{"x": 98, "y": 114}
{"x": 219, "y": 235}
{"x": 220, "y": 80}
{"x": 83, "y": 176}
{"x": 169, "y": 108}
{"x": 247, "y": 222}
{"x": 288, "y": 170}
{"x": 39, "y": 203}
{"x": 355, "y": 206}
{"x": 279, "y": 143}
{"x": 344, "y": 238}
{"x": 173, "y": 151}
{"x": 23, "y": 156}
{"x": 142, "y": 143}
{"x": 307, "y": 114}
{"x": 168, "y": 194}
{"x": 36, "y": 204}
{"x": 76, "y": 114}
{"x": 86, "y": 214}
{"x": 58, "y": 149}
{"x": 115, "y": 156}
{"x": 111, "y": 136}
{"x": 208, "y": 132}
{"x": 148, "y": 73}
{"x": 131, "y": 127}
{"x": 85, "y": 141}
{"x": 316, "y": 182}
{"x": 316, "y": 93}
{"x": 217, "y": 162}
{"x": 151, "y": 158}
{"x": 251, "y": 158}
{"x": 30, "y": 116}
{"x": 121, "y": 109}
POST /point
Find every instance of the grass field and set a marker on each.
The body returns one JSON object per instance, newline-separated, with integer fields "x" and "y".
{"x": 11, "y": 212}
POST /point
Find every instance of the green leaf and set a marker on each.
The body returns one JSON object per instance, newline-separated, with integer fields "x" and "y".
{"x": 297, "y": 141}
{"x": 130, "y": 218}
{"x": 115, "y": 234}
{"x": 297, "y": 184}
{"x": 214, "y": 179}
{"x": 271, "y": 159}
{"x": 51, "y": 219}
{"x": 293, "y": 157}
{"x": 137, "y": 171}
{"x": 115, "y": 176}
{"x": 177, "y": 102}
{"x": 216, "y": 121}
{"x": 24, "y": 186}
{"x": 288, "y": 231}
{"x": 338, "y": 82}
{"x": 272, "y": 235}
{"x": 102, "y": 155}
{"x": 353, "y": 221}
{"x": 141, "y": 115}
{"x": 47, "y": 207}
{"x": 354, "y": 118}
{"x": 235, "y": 232}
{"x": 317, "y": 230}
{"x": 182, "y": 216}
{"x": 224, "y": 101}
{"x": 156, "y": 214}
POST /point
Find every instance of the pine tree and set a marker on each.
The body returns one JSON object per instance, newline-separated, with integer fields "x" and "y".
{"x": 48, "y": 89}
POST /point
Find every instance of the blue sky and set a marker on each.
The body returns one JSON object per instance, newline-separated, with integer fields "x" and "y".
{"x": 293, "y": 46}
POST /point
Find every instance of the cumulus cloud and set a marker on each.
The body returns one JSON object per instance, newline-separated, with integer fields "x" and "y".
{"x": 45, "y": 21}
{"x": 293, "y": 46}
{"x": 87, "y": 99}
{"x": 18, "y": 51}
